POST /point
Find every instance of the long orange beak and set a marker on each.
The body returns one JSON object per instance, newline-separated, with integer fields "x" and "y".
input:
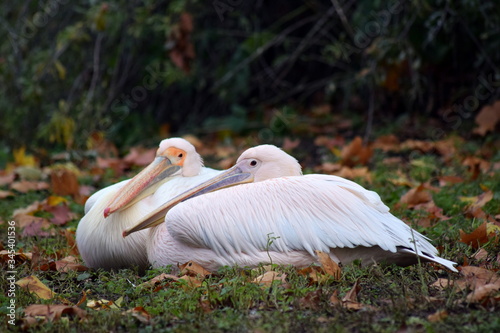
{"x": 143, "y": 184}
{"x": 233, "y": 176}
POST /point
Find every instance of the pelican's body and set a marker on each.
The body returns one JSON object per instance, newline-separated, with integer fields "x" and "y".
{"x": 99, "y": 238}
{"x": 284, "y": 220}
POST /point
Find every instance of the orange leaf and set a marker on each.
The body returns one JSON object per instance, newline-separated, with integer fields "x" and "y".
{"x": 355, "y": 153}
{"x": 25, "y": 186}
{"x": 415, "y": 196}
{"x": 54, "y": 312}
{"x": 476, "y": 238}
{"x": 192, "y": 268}
{"x": 158, "y": 278}
{"x": 69, "y": 264}
{"x": 35, "y": 286}
{"x": 487, "y": 119}
{"x": 438, "y": 316}
{"x": 329, "y": 266}
{"x": 64, "y": 182}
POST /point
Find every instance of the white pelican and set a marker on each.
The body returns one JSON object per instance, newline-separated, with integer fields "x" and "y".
{"x": 280, "y": 216}
{"x": 100, "y": 240}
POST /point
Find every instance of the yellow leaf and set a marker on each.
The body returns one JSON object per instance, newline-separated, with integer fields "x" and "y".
{"x": 55, "y": 200}
{"x": 21, "y": 159}
{"x": 61, "y": 70}
{"x": 35, "y": 286}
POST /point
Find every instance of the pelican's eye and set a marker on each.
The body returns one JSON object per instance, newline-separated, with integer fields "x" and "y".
{"x": 253, "y": 163}
{"x": 180, "y": 155}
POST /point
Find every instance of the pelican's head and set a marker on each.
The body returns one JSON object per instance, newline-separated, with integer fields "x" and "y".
{"x": 174, "y": 157}
{"x": 254, "y": 165}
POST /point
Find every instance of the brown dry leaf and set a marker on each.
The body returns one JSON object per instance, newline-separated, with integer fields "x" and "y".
{"x": 487, "y": 119}
{"x": 352, "y": 295}
{"x": 158, "y": 278}
{"x": 6, "y": 194}
{"x": 34, "y": 207}
{"x": 329, "y": 266}
{"x": 481, "y": 254}
{"x": 476, "y": 238}
{"x": 193, "y": 269}
{"x": 269, "y": 277}
{"x": 334, "y": 299}
{"x": 61, "y": 214}
{"x": 33, "y": 226}
{"x": 476, "y": 166}
{"x": 70, "y": 239}
{"x": 6, "y": 179}
{"x": 450, "y": 180}
{"x": 140, "y": 314}
{"x": 353, "y": 173}
{"x": 328, "y": 167}
{"x": 140, "y": 156}
{"x": 315, "y": 274}
{"x": 387, "y": 143}
{"x": 54, "y": 312}
{"x": 35, "y": 286}
{"x": 18, "y": 257}
{"x": 192, "y": 281}
{"x": 68, "y": 264}
{"x": 41, "y": 264}
{"x": 437, "y": 316}
{"x": 423, "y": 146}
{"x": 64, "y": 181}
{"x": 415, "y": 196}
{"x": 475, "y": 277}
{"x": 25, "y": 186}
{"x": 442, "y": 283}
{"x": 311, "y": 300}
{"x": 475, "y": 209}
{"x": 356, "y": 153}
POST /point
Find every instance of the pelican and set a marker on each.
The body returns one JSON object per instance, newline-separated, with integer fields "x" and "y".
{"x": 278, "y": 215}
{"x": 176, "y": 167}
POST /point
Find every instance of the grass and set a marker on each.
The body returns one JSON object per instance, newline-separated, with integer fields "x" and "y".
{"x": 400, "y": 299}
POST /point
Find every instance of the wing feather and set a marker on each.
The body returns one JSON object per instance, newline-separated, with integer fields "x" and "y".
{"x": 314, "y": 212}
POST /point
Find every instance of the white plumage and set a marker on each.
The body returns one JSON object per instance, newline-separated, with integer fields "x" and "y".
{"x": 283, "y": 220}
{"x": 100, "y": 240}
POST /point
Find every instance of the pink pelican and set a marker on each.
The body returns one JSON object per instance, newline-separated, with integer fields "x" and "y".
{"x": 278, "y": 215}
{"x": 177, "y": 167}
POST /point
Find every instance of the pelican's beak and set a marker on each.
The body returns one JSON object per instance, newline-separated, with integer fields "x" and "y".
{"x": 233, "y": 176}
{"x": 143, "y": 184}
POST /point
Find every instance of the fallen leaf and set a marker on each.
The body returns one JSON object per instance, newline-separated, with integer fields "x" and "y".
{"x": 415, "y": 196}
{"x": 54, "y": 312}
{"x": 23, "y": 159}
{"x": 329, "y": 266}
{"x": 437, "y": 316}
{"x": 450, "y": 180}
{"x": 6, "y": 179}
{"x": 69, "y": 264}
{"x": 442, "y": 283}
{"x": 482, "y": 293}
{"x": 6, "y": 194}
{"x": 315, "y": 274}
{"x": 334, "y": 299}
{"x": 61, "y": 214}
{"x": 476, "y": 238}
{"x": 311, "y": 300}
{"x": 356, "y": 153}
{"x": 192, "y": 281}
{"x": 104, "y": 304}
{"x": 475, "y": 277}
{"x": 158, "y": 278}
{"x": 35, "y": 286}
{"x": 387, "y": 143}
{"x": 33, "y": 226}
{"x": 70, "y": 239}
{"x": 140, "y": 314}
{"x": 475, "y": 208}
{"x": 487, "y": 119}
{"x": 18, "y": 257}
{"x": 269, "y": 277}
{"x": 481, "y": 254}
{"x": 140, "y": 156}
{"x": 25, "y": 186}
{"x": 194, "y": 269}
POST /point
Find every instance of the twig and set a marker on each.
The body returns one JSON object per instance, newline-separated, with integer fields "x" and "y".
{"x": 343, "y": 18}
{"x": 95, "y": 73}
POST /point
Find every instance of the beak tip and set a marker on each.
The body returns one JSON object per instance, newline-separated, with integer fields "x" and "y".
{"x": 125, "y": 233}
{"x": 107, "y": 211}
